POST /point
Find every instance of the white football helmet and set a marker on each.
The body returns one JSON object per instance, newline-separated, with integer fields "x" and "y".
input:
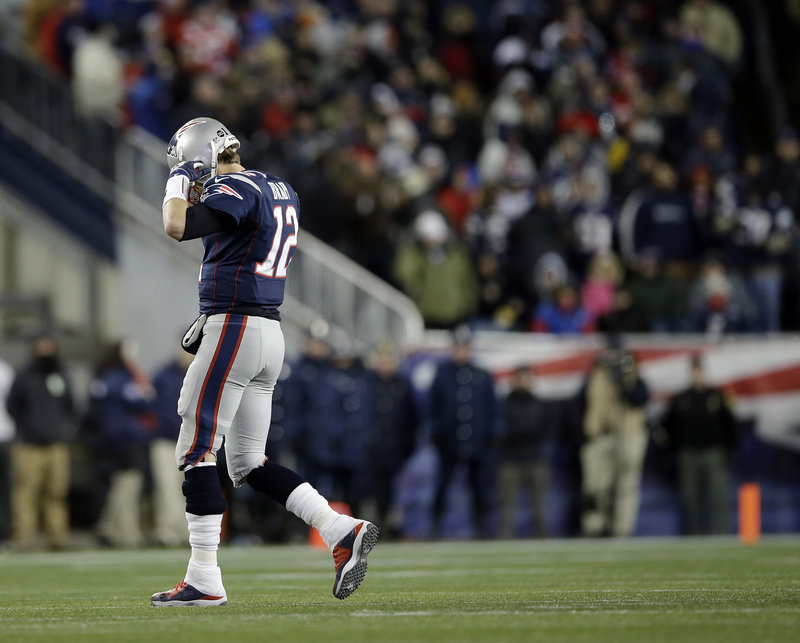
{"x": 201, "y": 139}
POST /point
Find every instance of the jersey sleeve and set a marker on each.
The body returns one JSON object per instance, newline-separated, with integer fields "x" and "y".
{"x": 227, "y": 194}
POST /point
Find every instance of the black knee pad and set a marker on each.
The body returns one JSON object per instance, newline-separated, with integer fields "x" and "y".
{"x": 274, "y": 480}
{"x": 202, "y": 491}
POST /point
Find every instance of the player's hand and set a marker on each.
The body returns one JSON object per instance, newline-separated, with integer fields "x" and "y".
{"x": 192, "y": 170}
{"x": 182, "y": 181}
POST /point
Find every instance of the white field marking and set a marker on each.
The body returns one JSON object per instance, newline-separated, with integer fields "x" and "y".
{"x": 429, "y": 557}
{"x": 460, "y": 572}
{"x": 539, "y": 610}
{"x": 294, "y": 555}
{"x": 721, "y": 589}
{"x": 432, "y": 554}
{"x": 603, "y": 605}
{"x": 587, "y": 544}
{"x": 595, "y": 610}
{"x": 413, "y": 573}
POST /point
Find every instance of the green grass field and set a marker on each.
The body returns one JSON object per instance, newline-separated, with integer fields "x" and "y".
{"x": 601, "y": 591}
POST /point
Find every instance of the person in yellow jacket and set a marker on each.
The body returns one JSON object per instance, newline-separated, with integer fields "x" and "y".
{"x": 615, "y": 443}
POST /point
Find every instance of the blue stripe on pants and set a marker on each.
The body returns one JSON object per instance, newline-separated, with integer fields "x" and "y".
{"x": 213, "y": 385}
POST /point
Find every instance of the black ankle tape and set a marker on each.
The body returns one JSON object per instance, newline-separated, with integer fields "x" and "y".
{"x": 275, "y": 480}
{"x": 202, "y": 491}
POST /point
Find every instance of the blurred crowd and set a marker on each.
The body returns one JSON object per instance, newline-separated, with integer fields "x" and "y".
{"x": 566, "y": 167}
{"x": 366, "y": 437}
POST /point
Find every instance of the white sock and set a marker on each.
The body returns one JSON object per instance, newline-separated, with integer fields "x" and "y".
{"x": 204, "y": 531}
{"x": 202, "y": 571}
{"x": 333, "y": 527}
{"x": 306, "y": 503}
{"x": 207, "y": 577}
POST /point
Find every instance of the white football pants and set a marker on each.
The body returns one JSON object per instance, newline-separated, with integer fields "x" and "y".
{"x": 227, "y": 393}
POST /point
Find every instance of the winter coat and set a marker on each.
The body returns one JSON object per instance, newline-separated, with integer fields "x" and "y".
{"x": 700, "y": 418}
{"x": 121, "y": 411}
{"x": 41, "y": 404}
{"x": 528, "y": 424}
{"x": 463, "y": 412}
{"x": 396, "y": 418}
{"x": 168, "y": 382}
{"x": 335, "y": 413}
{"x": 442, "y": 282}
{"x": 663, "y": 221}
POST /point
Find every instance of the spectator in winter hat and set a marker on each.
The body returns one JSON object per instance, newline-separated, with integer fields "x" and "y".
{"x": 435, "y": 270}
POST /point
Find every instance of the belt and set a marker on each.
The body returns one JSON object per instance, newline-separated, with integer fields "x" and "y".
{"x": 255, "y": 311}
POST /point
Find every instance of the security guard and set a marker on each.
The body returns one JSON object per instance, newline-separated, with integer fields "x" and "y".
{"x": 394, "y": 431}
{"x": 701, "y": 428}
{"x": 463, "y": 427}
{"x": 338, "y": 417}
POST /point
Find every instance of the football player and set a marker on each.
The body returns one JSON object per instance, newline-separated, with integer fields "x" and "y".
{"x": 248, "y": 221}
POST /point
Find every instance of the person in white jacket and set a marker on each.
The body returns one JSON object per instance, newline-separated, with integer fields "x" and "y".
{"x": 97, "y": 80}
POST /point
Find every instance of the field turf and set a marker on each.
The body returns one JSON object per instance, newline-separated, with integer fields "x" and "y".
{"x": 644, "y": 590}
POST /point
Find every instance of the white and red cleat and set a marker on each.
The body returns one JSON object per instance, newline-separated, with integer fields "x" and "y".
{"x": 184, "y": 594}
{"x": 350, "y": 558}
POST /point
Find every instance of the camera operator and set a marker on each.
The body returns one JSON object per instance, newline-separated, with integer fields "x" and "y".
{"x": 615, "y": 444}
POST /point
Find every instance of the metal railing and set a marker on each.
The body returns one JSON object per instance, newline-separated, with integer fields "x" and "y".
{"x": 46, "y": 105}
{"x": 323, "y": 280}
{"x": 350, "y": 297}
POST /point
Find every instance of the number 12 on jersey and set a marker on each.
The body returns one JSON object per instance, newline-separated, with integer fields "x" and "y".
{"x": 277, "y": 261}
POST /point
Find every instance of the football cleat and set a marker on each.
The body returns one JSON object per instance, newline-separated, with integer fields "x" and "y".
{"x": 350, "y": 558}
{"x": 184, "y": 594}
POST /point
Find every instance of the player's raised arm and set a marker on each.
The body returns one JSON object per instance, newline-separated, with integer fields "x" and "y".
{"x": 176, "y": 195}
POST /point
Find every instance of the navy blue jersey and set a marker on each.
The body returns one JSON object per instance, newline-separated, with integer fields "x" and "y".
{"x": 246, "y": 265}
